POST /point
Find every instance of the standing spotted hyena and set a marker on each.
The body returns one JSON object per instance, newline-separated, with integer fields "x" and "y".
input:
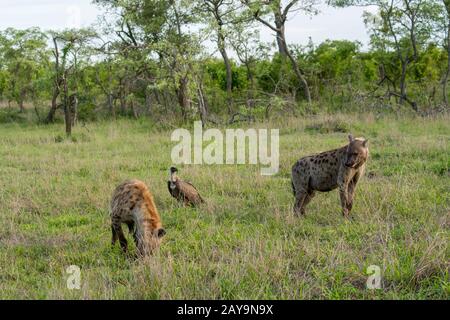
{"x": 133, "y": 204}
{"x": 328, "y": 170}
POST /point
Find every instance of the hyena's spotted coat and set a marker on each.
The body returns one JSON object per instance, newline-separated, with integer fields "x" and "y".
{"x": 133, "y": 204}
{"x": 329, "y": 170}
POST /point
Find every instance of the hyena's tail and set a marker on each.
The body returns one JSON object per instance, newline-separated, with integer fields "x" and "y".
{"x": 293, "y": 187}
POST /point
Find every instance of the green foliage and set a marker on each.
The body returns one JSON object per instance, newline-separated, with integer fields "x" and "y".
{"x": 25, "y": 57}
{"x": 150, "y": 58}
{"x": 430, "y": 64}
{"x": 11, "y": 116}
{"x": 217, "y": 74}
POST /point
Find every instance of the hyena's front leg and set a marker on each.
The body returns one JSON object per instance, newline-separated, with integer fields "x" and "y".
{"x": 343, "y": 193}
{"x": 344, "y": 179}
{"x": 119, "y": 233}
{"x": 351, "y": 191}
{"x": 139, "y": 241}
{"x": 133, "y": 230}
{"x": 114, "y": 236}
{"x": 351, "y": 194}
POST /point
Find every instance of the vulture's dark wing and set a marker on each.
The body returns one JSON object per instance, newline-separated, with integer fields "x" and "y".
{"x": 170, "y": 189}
{"x": 189, "y": 192}
{"x": 174, "y": 190}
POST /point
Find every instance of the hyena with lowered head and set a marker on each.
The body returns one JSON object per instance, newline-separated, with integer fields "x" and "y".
{"x": 329, "y": 170}
{"x": 133, "y": 204}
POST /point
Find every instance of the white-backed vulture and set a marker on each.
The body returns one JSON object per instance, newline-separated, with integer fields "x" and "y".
{"x": 183, "y": 191}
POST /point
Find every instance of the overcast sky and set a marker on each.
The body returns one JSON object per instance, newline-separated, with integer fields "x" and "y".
{"x": 58, "y": 14}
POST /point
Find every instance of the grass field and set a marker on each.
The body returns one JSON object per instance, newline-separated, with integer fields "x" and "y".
{"x": 245, "y": 242}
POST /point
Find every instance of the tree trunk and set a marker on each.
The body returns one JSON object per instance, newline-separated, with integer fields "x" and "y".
{"x": 21, "y": 107}
{"x": 123, "y": 102}
{"x": 111, "y": 105}
{"x": 285, "y": 52}
{"x": 251, "y": 92}
{"x": 148, "y": 101}
{"x": 67, "y": 112}
{"x": 447, "y": 74}
{"x": 157, "y": 97}
{"x": 56, "y": 89}
{"x": 110, "y": 93}
{"x": 37, "y": 112}
{"x": 282, "y": 46}
{"x": 123, "y": 95}
{"x": 229, "y": 75}
{"x": 107, "y": 91}
{"x": 51, "y": 114}
{"x": 22, "y": 95}
{"x": 74, "y": 109}
{"x": 299, "y": 75}
{"x": 403, "y": 82}
{"x": 182, "y": 95}
{"x": 133, "y": 109}
{"x": 202, "y": 104}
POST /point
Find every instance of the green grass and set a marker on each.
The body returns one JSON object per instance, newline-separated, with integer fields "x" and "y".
{"x": 245, "y": 242}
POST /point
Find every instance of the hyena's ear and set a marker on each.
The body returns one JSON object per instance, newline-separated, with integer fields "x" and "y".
{"x": 161, "y": 233}
{"x": 365, "y": 143}
{"x": 350, "y": 138}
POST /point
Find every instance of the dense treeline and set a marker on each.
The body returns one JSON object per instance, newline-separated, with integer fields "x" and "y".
{"x": 149, "y": 58}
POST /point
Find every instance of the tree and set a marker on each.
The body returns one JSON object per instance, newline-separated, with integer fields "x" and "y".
{"x": 179, "y": 52}
{"x": 403, "y": 26}
{"x": 447, "y": 46}
{"x": 245, "y": 41}
{"x": 25, "y": 54}
{"x": 4, "y": 74}
{"x": 68, "y": 50}
{"x": 151, "y": 33}
{"x": 279, "y": 12}
{"x": 219, "y": 15}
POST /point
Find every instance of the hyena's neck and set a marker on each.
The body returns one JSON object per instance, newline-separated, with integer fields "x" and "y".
{"x": 340, "y": 154}
{"x": 149, "y": 213}
{"x": 144, "y": 223}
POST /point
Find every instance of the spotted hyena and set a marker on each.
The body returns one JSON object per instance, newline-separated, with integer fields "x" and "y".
{"x": 329, "y": 170}
{"x": 132, "y": 204}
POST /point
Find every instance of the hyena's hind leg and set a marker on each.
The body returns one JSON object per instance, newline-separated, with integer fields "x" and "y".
{"x": 301, "y": 201}
{"x": 301, "y": 195}
{"x": 300, "y": 189}
{"x": 300, "y": 198}
{"x": 310, "y": 194}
